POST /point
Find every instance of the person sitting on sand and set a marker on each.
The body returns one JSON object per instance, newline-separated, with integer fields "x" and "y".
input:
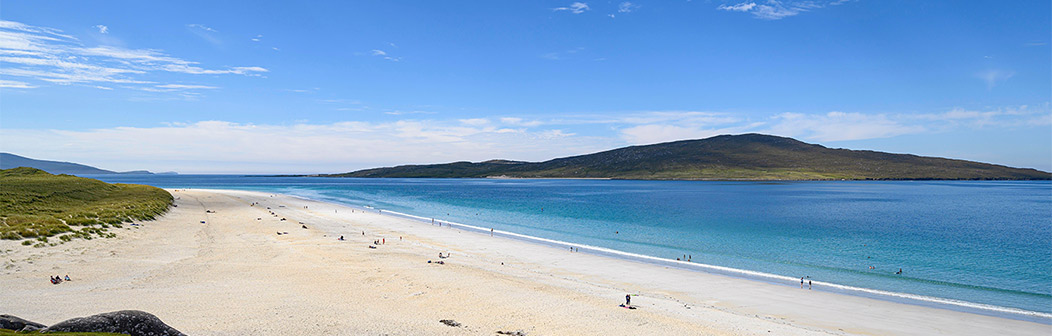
{"x": 67, "y": 277}
{"x": 341, "y": 237}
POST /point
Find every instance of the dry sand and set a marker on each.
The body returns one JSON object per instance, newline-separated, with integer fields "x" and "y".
{"x": 233, "y": 275}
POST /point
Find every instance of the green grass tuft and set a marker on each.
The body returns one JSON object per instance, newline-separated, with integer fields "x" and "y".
{"x": 35, "y": 204}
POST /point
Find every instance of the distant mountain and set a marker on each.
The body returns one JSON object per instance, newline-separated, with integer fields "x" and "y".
{"x": 724, "y": 157}
{"x": 8, "y": 161}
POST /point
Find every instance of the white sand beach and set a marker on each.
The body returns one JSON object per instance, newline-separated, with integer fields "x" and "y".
{"x": 234, "y": 275}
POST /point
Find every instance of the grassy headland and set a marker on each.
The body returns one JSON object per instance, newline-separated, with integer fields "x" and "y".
{"x": 724, "y": 157}
{"x": 36, "y": 204}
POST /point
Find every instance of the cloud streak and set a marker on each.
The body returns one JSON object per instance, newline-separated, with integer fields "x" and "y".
{"x": 575, "y": 8}
{"x": 776, "y": 10}
{"x": 994, "y": 77}
{"x": 15, "y": 84}
{"x": 48, "y": 55}
{"x": 384, "y": 55}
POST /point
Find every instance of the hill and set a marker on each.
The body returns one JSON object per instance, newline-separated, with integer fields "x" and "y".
{"x": 36, "y": 204}
{"x": 9, "y": 161}
{"x": 724, "y": 157}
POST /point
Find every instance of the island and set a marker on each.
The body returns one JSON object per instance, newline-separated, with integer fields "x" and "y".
{"x": 724, "y": 157}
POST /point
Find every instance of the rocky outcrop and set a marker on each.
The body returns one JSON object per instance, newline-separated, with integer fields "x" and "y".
{"x": 131, "y": 322}
{"x": 16, "y": 323}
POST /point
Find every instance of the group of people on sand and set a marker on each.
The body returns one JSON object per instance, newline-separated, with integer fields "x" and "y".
{"x": 57, "y": 279}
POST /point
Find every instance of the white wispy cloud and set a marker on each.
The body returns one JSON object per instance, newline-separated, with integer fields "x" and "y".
{"x": 513, "y": 121}
{"x": 205, "y": 33}
{"x": 775, "y": 9}
{"x": 103, "y": 29}
{"x": 185, "y": 86}
{"x": 403, "y": 112}
{"x": 626, "y": 7}
{"x": 381, "y": 53}
{"x": 48, "y": 55}
{"x": 475, "y": 121}
{"x": 201, "y": 27}
{"x": 1009, "y": 116}
{"x": 257, "y": 38}
{"x": 15, "y": 84}
{"x": 994, "y": 77}
{"x": 558, "y": 55}
{"x": 742, "y": 7}
{"x": 839, "y": 126}
{"x": 576, "y": 8}
{"x": 663, "y": 126}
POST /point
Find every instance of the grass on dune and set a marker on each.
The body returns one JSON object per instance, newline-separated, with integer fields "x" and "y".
{"x": 35, "y": 204}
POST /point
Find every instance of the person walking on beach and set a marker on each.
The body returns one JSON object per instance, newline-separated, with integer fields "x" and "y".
{"x": 808, "y": 284}
{"x": 628, "y": 300}
{"x": 801, "y": 282}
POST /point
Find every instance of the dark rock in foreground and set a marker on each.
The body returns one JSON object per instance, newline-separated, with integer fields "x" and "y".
{"x": 450, "y": 323}
{"x": 12, "y": 322}
{"x": 131, "y": 322}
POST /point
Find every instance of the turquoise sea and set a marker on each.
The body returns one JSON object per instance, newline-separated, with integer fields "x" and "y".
{"x": 981, "y": 245}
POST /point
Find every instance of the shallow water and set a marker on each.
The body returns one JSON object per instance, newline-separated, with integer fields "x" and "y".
{"x": 987, "y": 242}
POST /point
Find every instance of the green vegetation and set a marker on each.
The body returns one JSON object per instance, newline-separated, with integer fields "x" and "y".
{"x": 725, "y": 157}
{"x": 35, "y": 204}
{"x": 7, "y": 332}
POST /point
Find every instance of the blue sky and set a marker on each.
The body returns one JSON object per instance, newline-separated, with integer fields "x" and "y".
{"x": 282, "y": 87}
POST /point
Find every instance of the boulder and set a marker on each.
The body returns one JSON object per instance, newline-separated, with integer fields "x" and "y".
{"x": 16, "y": 323}
{"x": 29, "y": 328}
{"x": 131, "y": 322}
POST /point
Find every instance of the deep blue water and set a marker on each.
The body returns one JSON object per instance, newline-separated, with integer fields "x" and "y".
{"x": 987, "y": 242}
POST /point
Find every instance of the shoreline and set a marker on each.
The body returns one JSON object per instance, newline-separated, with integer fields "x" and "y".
{"x": 227, "y": 272}
{"x": 890, "y": 296}
{"x": 897, "y": 297}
